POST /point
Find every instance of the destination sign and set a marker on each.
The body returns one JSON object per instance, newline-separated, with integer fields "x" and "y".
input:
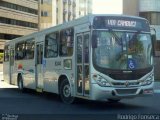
{"x": 120, "y": 22}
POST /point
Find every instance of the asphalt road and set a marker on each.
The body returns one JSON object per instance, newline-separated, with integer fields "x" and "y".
{"x": 13, "y": 102}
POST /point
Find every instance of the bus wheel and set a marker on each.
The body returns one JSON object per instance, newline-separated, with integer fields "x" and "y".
{"x": 20, "y": 83}
{"x": 65, "y": 92}
{"x": 114, "y": 100}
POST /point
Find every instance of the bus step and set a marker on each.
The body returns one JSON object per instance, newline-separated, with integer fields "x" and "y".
{"x": 40, "y": 90}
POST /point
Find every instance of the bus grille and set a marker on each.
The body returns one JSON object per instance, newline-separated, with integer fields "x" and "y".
{"x": 126, "y": 91}
{"x": 130, "y": 84}
{"x": 126, "y": 76}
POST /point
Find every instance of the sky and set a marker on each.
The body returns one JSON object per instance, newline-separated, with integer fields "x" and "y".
{"x": 107, "y": 6}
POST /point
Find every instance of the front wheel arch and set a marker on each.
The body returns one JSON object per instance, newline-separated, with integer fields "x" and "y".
{"x": 65, "y": 91}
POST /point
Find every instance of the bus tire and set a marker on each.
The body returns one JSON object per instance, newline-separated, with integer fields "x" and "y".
{"x": 20, "y": 83}
{"x": 65, "y": 92}
{"x": 114, "y": 100}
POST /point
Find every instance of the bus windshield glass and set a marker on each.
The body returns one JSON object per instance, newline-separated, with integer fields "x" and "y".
{"x": 121, "y": 50}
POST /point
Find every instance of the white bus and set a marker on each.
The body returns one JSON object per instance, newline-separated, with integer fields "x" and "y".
{"x": 96, "y": 57}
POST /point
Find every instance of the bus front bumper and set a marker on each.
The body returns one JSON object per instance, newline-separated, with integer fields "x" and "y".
{"x": 103, "y": 93}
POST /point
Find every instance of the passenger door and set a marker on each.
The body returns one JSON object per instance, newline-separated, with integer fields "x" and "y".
{"x": 39, "y": 66}
{"x": 12, "y": 81}
{"x": 82, "y": 66}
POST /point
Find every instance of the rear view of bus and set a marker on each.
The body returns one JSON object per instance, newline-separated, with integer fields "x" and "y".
{"x": 122, "y": 61}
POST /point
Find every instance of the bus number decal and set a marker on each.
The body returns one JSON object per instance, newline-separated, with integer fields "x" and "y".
{"x": 57, "y": 63}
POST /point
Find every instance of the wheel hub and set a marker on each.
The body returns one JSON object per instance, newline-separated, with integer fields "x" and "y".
{"x": 66, "y": 91}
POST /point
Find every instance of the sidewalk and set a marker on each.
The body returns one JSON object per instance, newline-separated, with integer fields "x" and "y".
{"x": 6, "y": 85}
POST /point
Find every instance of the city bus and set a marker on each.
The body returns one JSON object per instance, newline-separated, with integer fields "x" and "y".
{"x": 95, "y": 57}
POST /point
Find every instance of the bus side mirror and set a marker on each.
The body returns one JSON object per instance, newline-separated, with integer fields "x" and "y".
{"x": 94, "y": 41}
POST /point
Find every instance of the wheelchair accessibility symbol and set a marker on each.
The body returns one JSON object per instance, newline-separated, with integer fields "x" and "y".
{"x": 131, "y": 64}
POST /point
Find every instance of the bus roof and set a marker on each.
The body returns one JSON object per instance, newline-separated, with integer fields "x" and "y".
{"x": 77, "y": 21}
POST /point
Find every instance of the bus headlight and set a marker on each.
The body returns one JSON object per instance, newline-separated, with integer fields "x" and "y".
{"x": 148, "y": 81}
{"x": 101, "y": 81}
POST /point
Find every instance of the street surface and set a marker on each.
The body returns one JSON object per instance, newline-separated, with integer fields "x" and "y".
{"x": 14, "y": 102}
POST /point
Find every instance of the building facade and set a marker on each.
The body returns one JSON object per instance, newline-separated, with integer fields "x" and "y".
{"x": 47, "y": 13}
{"x": 17, "y": 18}
{"x": 150, "y": 9}
{"x": 130, "y": 7}
{"x": 54, "y": 12}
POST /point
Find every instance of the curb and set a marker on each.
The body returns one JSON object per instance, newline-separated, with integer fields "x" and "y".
{"x": 1, "y": 76}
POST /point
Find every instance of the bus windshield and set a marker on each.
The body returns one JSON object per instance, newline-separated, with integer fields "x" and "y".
{"x": 121, "y": 50}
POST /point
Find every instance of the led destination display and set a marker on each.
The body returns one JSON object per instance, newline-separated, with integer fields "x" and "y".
{"x": 121, "y": 23}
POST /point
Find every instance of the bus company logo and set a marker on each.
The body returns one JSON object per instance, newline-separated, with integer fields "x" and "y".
{"x": 127, "y": 84}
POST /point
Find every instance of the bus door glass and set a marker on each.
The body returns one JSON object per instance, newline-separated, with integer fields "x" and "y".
{"x": 11, "y": 66}
{"x": 39, "y": 65}
{"x": 82, "y": 70}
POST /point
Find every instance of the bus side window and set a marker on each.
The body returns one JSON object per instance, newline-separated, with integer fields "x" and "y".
{"x": 6, "y": 53}
{"x": 66, "y": 42}
{"x": 20, "y": 51}
{"x": 30, "y": 44}
{"x": 51, "y": 45}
